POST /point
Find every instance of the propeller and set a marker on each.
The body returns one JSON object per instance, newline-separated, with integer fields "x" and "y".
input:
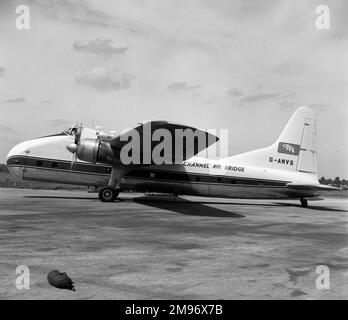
{"x": 73, "y": 147}
{"x": 86, "y": 143}
{"x": 74, "y": 155}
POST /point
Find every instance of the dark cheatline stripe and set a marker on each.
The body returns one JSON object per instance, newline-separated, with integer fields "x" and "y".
{"x": 140, "y": 173}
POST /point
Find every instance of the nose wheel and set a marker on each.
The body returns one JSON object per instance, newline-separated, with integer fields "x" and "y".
{"x": 108, "y": 194}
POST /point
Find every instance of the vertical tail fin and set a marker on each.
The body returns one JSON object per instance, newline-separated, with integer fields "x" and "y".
{"x": 298, "y": 140}
{"x": 294, "y": 150}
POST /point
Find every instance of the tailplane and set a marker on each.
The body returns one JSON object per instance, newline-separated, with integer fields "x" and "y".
{"x": 294, "y": 150}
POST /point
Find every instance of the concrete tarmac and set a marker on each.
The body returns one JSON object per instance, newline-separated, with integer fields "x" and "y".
{"x": 165, "y": 247}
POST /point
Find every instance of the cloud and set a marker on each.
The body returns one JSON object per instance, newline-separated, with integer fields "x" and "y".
{"x": 258, "y": 97}
{"x": 8, "y": 129}
{"x": 2, "y": 72}
{"x": 235, "y": 92}
{"x": 73, "y": 11}
{"x": 98, "y": 46}
{"x": 182, "y": 86}
{"x": 84, "y": 14}
{"x": 16, "y": 100}
{"x": 105, "y": 80}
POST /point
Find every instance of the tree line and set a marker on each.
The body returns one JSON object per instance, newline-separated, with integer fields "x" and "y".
{"x": 337, "y": 182}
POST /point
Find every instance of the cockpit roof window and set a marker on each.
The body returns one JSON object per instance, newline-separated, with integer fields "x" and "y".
{"x": 69, "y": 131}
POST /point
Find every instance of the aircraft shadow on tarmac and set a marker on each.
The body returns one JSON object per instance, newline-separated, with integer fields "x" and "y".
{"x": 200, "y": 208}
{"x": 178, "y": 205}
{"x": 61, "y": 197}
{"x": 187, "y": 207}
{"x": 311, "y": 207}
{"x": 194, "y": 208}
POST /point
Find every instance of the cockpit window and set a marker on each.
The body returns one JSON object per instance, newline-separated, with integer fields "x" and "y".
{"x": 70, "y": 131}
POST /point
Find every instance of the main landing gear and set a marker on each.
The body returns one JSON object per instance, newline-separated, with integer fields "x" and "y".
{"x": 304, "y": 203}
{"x": 110, "y": 192}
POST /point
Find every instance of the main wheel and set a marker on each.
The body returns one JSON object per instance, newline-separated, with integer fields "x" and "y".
{"x": 108, "y": 194}
{"x": 304, "y": 203}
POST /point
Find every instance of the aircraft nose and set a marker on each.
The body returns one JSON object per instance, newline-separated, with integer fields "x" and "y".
{"x": 18, "y": 150}
{"x": 13, "y": 159}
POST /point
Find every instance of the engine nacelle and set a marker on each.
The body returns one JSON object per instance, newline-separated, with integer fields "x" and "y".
{"x": 93, "y": 150}
{"x": 88, "y": 149}
{"x": 105, "y": 137}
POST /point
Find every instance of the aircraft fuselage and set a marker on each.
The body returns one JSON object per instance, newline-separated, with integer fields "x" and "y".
{"x": 47, "y": 160}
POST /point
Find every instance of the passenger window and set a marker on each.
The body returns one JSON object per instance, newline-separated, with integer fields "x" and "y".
{"x": 54, "y": 165}
{"x": 233, "y": 181}
{"x": 39, "y": 163}
{"x": 219, "y": 180}
{"x": 198, "y": 179}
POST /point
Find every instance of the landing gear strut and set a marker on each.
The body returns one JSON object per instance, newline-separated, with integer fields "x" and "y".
{"x": 304, "y": 203}
{"x": 110, "y": 192}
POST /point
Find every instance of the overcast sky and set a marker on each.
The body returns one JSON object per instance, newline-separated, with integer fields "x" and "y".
{"x": 241, "y": 65}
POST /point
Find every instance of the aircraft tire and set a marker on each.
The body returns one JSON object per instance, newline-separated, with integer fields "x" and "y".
{"x": 304, "y": 203}
{"x": 108, "y": 194}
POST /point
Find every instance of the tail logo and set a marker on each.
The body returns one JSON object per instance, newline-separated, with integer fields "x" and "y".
{"x": 289, "y": 148}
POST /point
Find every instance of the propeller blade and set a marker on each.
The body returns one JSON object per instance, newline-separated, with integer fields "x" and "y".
{"x": 78, "y": 134}
{"x": 72, "y": 147}
{"x": 73, "y": 160}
